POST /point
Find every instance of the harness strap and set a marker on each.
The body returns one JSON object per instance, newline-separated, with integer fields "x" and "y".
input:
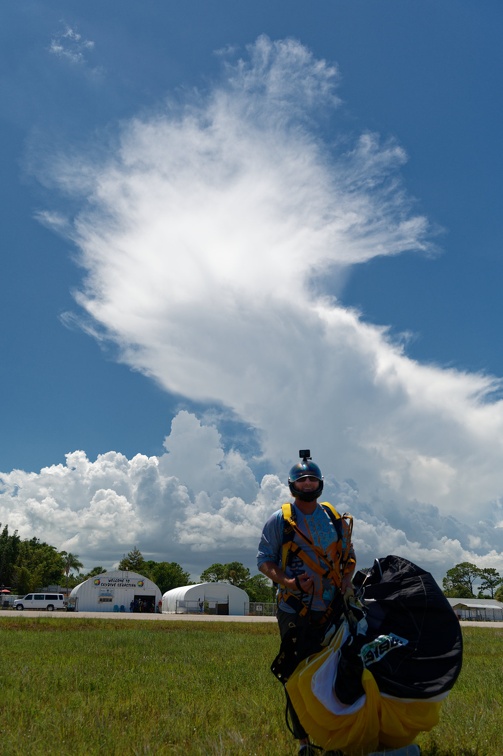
{"x": 297, "y": 551}
{"x": 324, "y": 567}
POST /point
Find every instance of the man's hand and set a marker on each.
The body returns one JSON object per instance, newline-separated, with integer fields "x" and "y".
{"x": 303, "y": 583}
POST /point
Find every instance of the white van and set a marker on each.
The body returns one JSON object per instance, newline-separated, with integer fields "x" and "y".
{"x": 49, "y": 601}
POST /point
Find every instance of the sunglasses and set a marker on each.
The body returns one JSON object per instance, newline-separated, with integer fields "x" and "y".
{"x": 311, "y": 478}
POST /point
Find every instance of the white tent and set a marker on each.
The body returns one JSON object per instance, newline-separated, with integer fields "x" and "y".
{"x": 210, "y": 598}
{"x": 115, "y": 591}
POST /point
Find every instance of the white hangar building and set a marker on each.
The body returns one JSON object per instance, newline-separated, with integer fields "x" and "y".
{"x": 486, "y": 610}
{"x": 115, "y": 591}
{"x": 208, "y": 598}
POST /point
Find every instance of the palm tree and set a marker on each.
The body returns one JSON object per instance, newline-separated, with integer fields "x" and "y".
{"x": 71, "y": 563}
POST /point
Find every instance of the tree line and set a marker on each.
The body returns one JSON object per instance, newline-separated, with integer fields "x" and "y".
{"x": 466, "y": 580}
{"x": 30, "y": 565}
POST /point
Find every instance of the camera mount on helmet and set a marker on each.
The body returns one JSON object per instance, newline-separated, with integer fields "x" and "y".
{"x": 305, "y": 468}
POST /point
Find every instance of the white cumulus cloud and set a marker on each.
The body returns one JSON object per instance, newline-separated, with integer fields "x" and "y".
{"x": 212, "y": 510}
{"x": 215, "y": 235}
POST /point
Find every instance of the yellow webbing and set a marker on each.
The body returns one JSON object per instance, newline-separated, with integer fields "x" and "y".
{"x": 289, "y": 546}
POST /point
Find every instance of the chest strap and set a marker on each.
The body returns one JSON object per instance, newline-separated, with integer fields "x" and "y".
{"x": 324, "y": 566}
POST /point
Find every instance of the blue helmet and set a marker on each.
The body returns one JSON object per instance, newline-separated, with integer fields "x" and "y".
{"x": 305, "y": 469}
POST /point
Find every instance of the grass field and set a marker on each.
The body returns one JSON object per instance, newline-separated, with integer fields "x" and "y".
{"x": 105, "y": 686}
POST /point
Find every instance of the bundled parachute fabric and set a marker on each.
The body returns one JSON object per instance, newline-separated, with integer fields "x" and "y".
{"x": 381, "y": 688}
{"x": 405, "y": 602}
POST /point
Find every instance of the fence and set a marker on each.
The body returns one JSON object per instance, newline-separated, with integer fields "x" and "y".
{"x": 262, "y": 609}
{"x": 208, "y": 606}
{"x": 214, "y": 606}
{"x": 484, "y": 614}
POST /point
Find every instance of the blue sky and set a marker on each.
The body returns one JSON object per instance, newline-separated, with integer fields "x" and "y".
{"x": 246, "y": 229}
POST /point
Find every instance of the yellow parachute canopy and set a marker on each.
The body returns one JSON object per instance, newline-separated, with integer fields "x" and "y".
{"x": 373, "y": 721}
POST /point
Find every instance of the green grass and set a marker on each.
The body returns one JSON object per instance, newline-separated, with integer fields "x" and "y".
{"x": 471, "y": 722}
{"x": 105, "y": 686}
{"x": 114, "y": 687}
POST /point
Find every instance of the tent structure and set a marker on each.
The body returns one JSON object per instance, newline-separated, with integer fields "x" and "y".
{"x": 115, "y": 591}
{"x": 485, "y": 610}
{"x": 210, "y": 598}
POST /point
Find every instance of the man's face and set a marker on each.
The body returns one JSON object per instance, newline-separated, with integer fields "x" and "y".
{"x": 307, "y": 483}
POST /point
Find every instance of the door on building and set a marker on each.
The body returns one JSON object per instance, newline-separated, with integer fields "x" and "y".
{"x": 144, "y": 604}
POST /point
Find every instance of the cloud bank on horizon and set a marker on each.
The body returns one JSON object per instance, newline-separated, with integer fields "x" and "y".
{"x": 216, "y": 235}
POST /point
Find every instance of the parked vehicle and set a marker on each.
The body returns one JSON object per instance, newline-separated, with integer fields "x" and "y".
{"x": 48, "y": 601}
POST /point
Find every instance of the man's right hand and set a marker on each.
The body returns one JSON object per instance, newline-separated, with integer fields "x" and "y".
{"x": 303, "y": 582}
